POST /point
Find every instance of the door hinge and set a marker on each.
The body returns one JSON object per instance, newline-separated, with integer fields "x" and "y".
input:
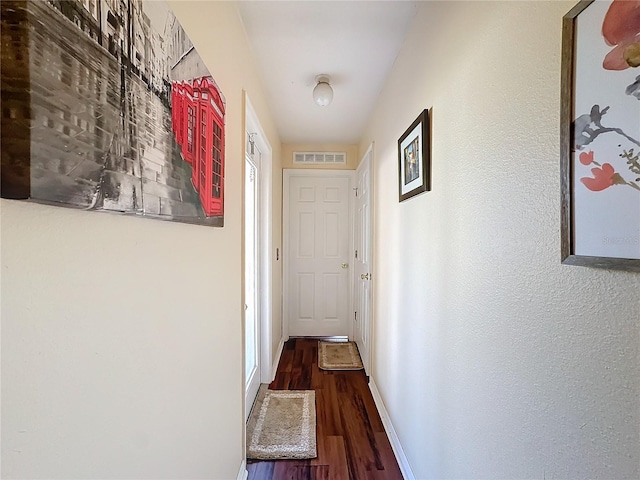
{"x": 356, "y": 253}
{"x": 355, "y": 316}
{"x": 356, "y": 190}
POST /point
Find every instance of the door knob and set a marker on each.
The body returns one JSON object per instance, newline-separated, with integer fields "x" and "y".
{"x": 364, "y": 276}
{"x": 345, "y": 265}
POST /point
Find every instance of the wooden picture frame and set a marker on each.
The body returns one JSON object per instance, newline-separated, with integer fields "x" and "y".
{"x": 600, "y": 148}
{"x": 414, "y": 160}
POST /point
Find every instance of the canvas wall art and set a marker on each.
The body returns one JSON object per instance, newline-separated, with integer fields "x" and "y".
{"x": 106, "y": 105}
{"x": 601, "y": 135}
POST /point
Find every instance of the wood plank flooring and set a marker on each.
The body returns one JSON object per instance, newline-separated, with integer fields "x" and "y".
{"x": 351, "y": 441}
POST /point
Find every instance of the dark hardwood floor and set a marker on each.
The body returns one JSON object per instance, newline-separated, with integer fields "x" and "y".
{"x": 351, "y": 441}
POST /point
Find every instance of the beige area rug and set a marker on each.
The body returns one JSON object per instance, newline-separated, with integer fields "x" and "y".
{"x": 339, "y": 356}
{"x": 282, "y": 425}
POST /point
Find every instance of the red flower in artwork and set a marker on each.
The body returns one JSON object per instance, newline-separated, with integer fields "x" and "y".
{"x": 621, "y": 28}
{"x": 602, "y": 178}
{"x": 586, "y": 158}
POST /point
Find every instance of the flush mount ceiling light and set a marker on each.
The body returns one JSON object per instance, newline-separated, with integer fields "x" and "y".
{"x": 323, "y": 93}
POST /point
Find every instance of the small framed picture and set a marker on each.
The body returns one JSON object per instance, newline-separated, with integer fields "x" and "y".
{"x": 414, "y": 162}
{"x": 600, "y": 136}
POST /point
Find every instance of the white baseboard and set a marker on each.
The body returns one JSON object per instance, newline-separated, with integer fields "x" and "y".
{"x": 403, "y": 463}
{"x": 276, "y": 359}
{"x": 243, "y": 474}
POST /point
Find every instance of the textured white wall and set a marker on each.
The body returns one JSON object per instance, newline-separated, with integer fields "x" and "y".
{"x": 121, "y": 358}
{"x": 494, "y": 361}
{"x": 122, "y": 337}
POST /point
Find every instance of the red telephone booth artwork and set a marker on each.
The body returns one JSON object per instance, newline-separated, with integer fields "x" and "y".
{"x": 197, "y": 117}
{"x": 170, "y": 160}
{"x": 208, "y": 165}
{"x": 177, "y": 111}
{"x": 177, "y": 94}
{"x": 173, "y": 110}
{"x": 188, "y": 124}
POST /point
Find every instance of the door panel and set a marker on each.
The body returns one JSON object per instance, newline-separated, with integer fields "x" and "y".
{"x": 306, "y": 298}
{"x": 306, "y": 234}
{"x": 318, "y": 281}
{"x": 331, "y": 235}
{"x": 331, "y": 292}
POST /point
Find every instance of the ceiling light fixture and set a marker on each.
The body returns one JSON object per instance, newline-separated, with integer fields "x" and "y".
{"x": 323, "y": 93}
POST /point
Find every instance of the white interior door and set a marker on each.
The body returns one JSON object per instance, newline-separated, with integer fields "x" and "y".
{"x": 362, "y": 259}
{"x": 260, "y": 152}
{"x": 317, "y": 254}
{"x": 251, "y": 282}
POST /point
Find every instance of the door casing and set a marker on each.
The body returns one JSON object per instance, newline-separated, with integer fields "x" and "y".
{"x": 363, "y": 324}
{"x": 253, "y": 127}
{"x": 252, "y": 278}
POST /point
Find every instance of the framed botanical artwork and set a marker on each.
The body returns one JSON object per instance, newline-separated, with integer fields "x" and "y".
{"x": 107, "y": 106}
{"x": 600, "y": 135}
{"x": 414, "y": 162}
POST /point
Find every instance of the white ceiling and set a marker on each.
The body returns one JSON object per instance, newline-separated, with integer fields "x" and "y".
{"x": 354, "y": 42}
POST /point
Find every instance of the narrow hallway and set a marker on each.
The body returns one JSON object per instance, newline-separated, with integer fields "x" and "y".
{"x": 351, "y": 441}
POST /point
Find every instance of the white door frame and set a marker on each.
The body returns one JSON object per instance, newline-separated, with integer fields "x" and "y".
{"x": 368, "y": 156}
{"x": 253, "y": 128}
{"x": 252, "y": 305}
{"x": 287, "y": 174}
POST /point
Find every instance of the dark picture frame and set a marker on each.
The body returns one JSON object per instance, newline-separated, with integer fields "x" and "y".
{"x": 414, "y": 159}
{"x": 584, "y": 129}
